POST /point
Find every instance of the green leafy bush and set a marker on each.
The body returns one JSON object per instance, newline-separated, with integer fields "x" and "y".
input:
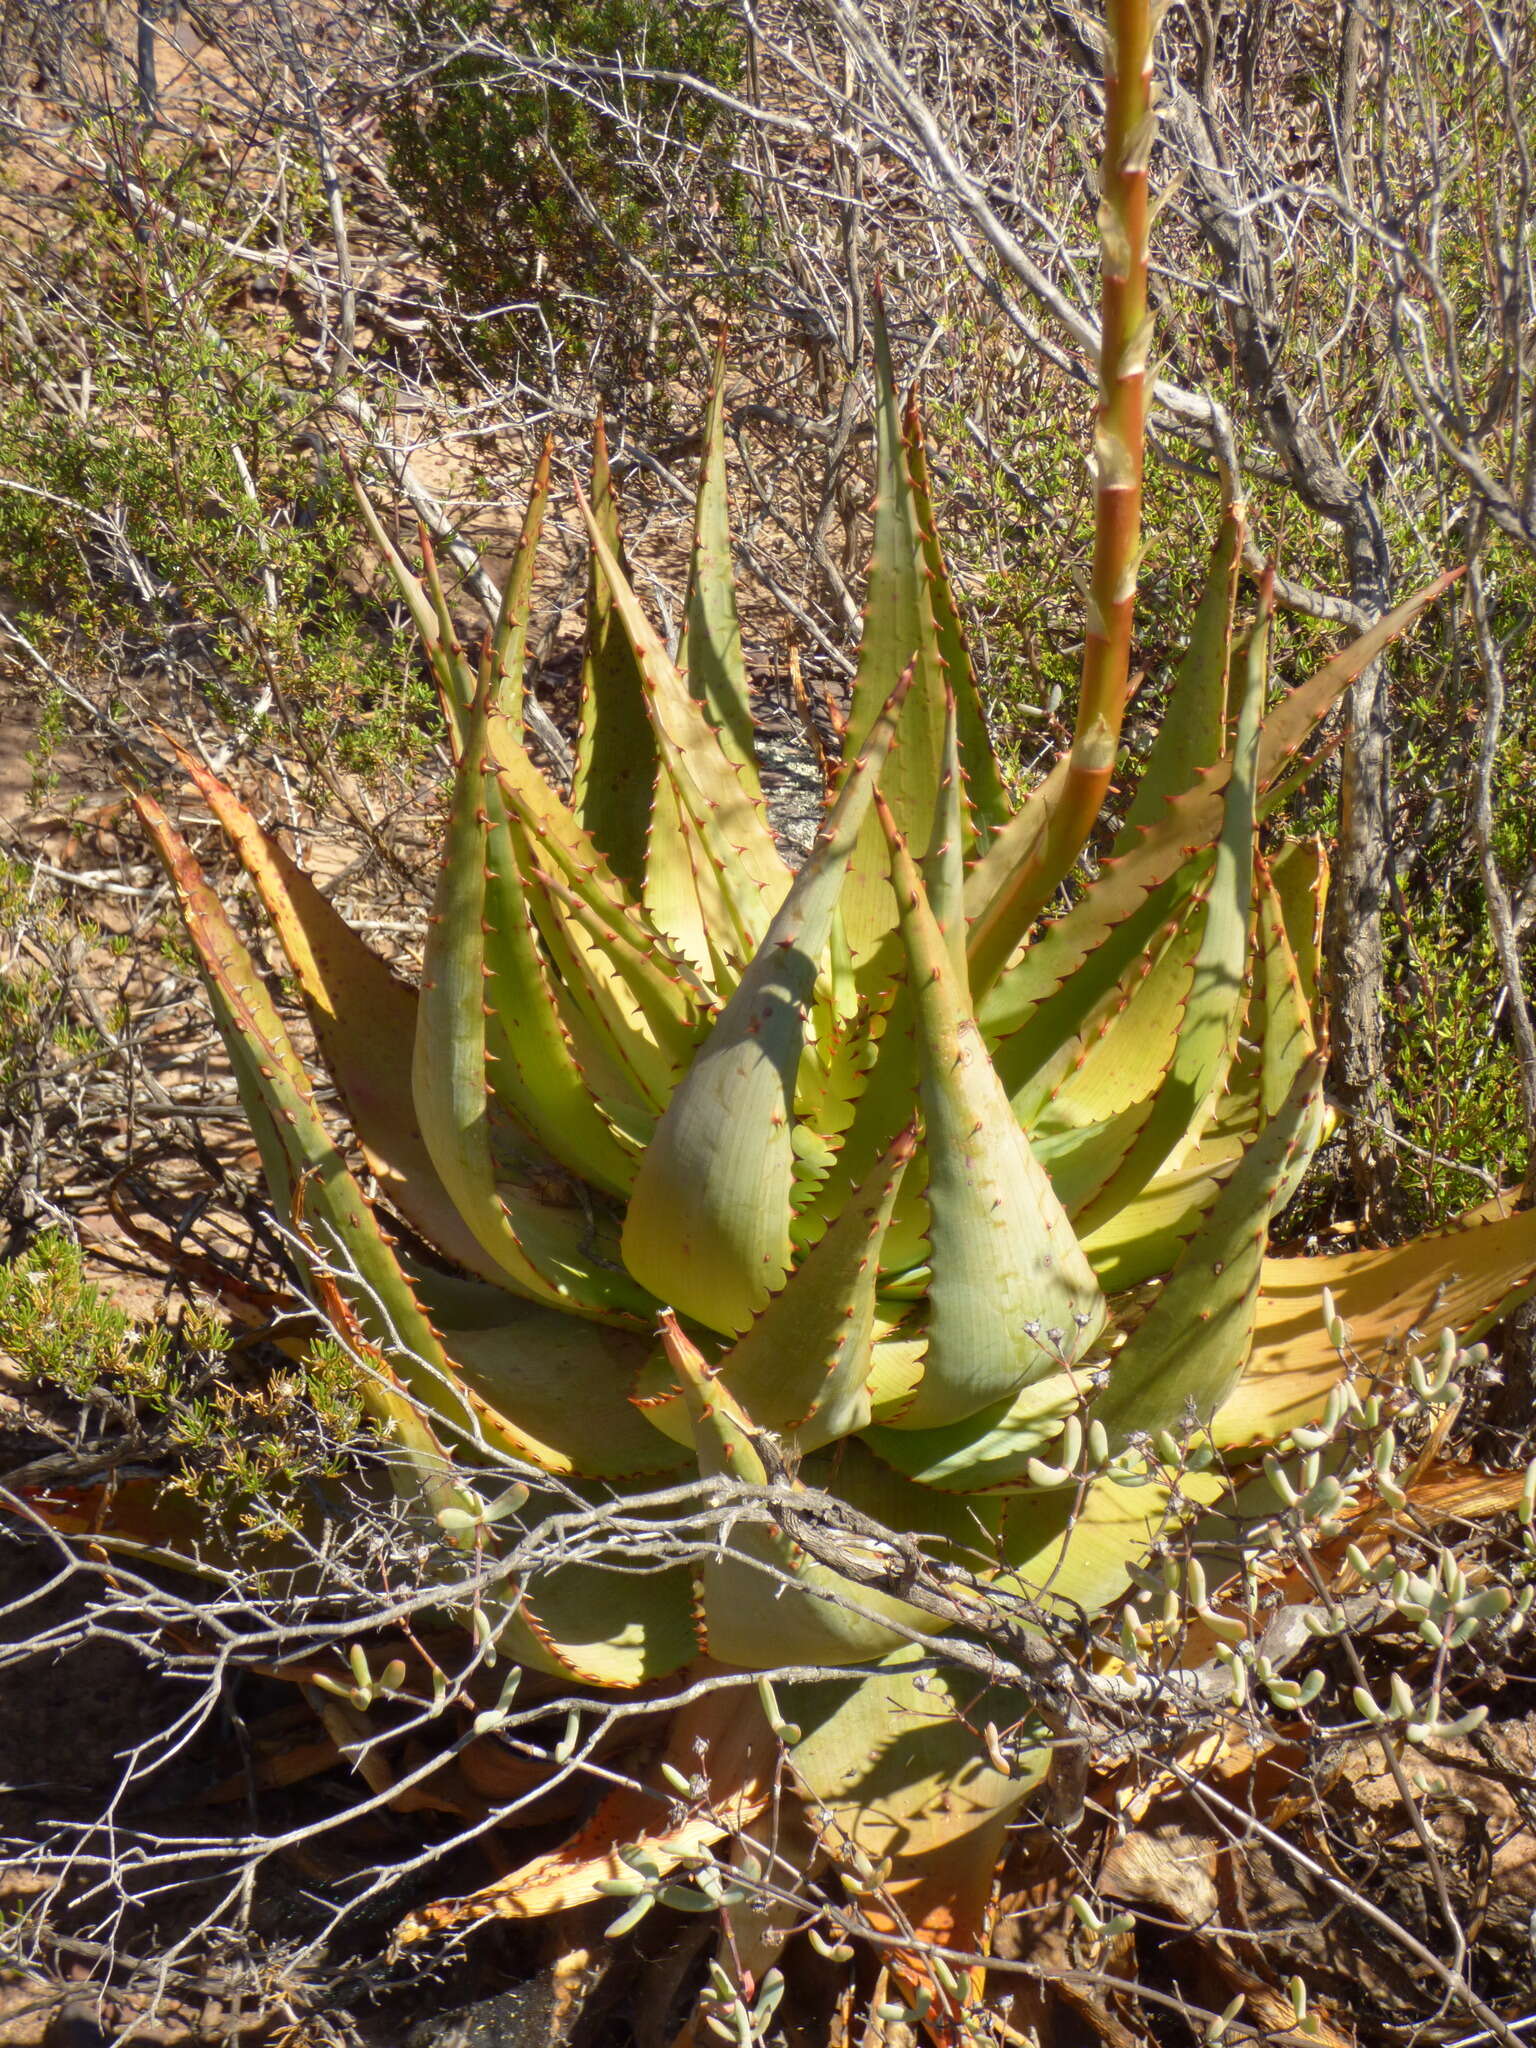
{"x": 1455, "y": 1080}
{"x": 172, "y": 514}
{"x": 61, "y": 1330}
{"x": 533, "y": 193}
{"x": 240, "y": 1438}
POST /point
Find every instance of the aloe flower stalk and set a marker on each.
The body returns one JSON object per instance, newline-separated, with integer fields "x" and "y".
{"x": 1069, "y": 803}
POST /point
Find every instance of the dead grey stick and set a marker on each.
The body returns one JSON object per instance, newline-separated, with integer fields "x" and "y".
{"x": 1501, "y": 923}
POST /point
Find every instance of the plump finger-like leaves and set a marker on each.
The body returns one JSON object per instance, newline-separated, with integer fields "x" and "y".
{"x": 1075, "y": 1549}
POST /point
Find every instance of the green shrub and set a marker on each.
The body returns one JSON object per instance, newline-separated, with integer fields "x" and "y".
{"x": 63, "y": 1332}
{"x": 176, "y": 517}
{"x": 242, "y": 1440}
{"x": 494, "y": 165}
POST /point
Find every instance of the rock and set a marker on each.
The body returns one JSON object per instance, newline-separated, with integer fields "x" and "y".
{"x": 75, "y": 2025}
{"x": 519, "y": 2018}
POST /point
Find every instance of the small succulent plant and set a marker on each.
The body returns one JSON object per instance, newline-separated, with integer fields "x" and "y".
{"x": 911, "y": 1176}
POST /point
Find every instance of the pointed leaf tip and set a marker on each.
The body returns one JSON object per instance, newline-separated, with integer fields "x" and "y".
{"x": 708, "y": 1227}
{"x": 1012, "y": 1296}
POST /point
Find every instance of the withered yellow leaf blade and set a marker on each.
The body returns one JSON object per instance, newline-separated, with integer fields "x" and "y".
{"x": 723, "y": 1733}
{"x": 1392, "y": 1301}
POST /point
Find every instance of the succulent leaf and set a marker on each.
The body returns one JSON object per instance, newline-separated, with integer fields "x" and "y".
{"x": 645, "y": 1010}
{"x": 1144, "y": 1237}
{"x": 554, "y": 1391}
{"x": 992, "y": 1448}
{"x": 1011, "y": 1297}
{"x": 899, "y": 633}
{"x": 708, "y": 1223}
{"x": 1001, "y": 901}
{"x": 1192, "y": 733}
{"x": 501, "y": 673}
{"x": 534, "y": 1068}
{"x": 1207, "y": 1037}
{"x": 452, "y": 692}
{"x": 361, "y": 1013}
{"x": 999, "y": 905}
{"x": 300, "y": 1160}
{"x": 803, "y": 1368}
{"x": 943, "y": 865}
{"x": 763, "y": 1602}
{"x": 1392, "y": 1300}
{"x": 1050, "y": 1010}
{"x": 1160, "y": 868}
{"x": 898, "y": 1768}
{"x": 711, "y": 647}
{"x": 1285, "y": 991}
{"x": 983, "y": 788}
{"x": 458, "y": 683}
{"x": 1191, "y": 1348}
{"x": 1086, "y": 1109}
{"x": 614, "y": 783}
{"x": 723, "y": 878}
{"x": 451, "y": 1076}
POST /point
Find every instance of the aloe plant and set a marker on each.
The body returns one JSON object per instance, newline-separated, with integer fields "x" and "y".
{"x": 902, "y": 1176}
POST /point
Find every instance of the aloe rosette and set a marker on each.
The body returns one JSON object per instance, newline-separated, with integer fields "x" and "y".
{"x": 862, "y": 1172}
{"x": 920, "y": 1176}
